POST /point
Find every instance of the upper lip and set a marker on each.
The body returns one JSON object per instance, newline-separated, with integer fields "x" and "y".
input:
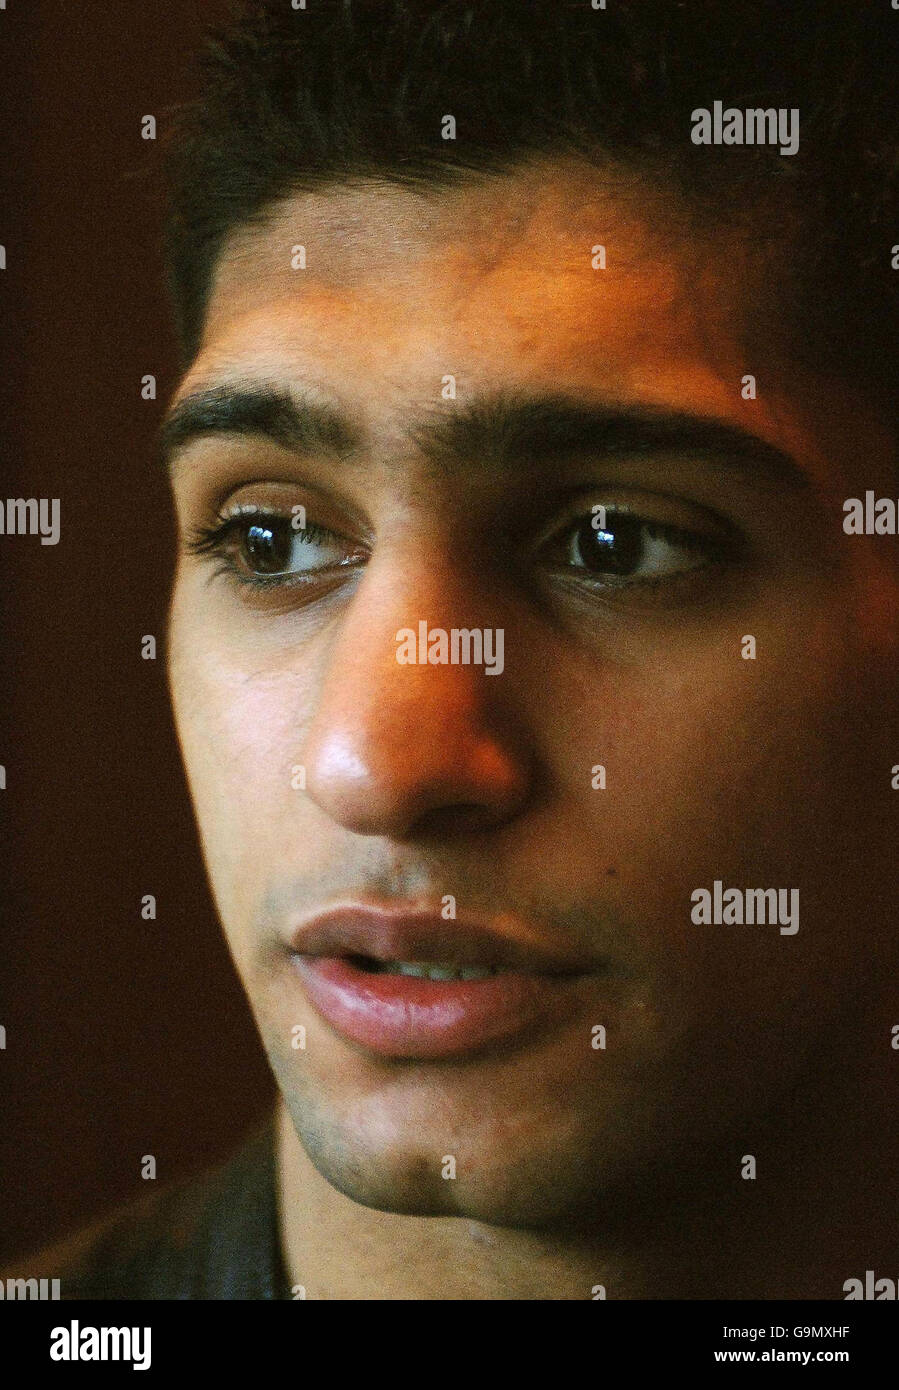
{"x": 414, "y": 934}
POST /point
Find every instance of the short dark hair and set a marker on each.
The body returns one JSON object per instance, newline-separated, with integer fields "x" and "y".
{"x": 294, "y": 99}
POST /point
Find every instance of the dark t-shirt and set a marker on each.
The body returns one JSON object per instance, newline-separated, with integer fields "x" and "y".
{"x": 211, "y": 1236}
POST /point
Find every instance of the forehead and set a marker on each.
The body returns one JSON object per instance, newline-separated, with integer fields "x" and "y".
{"x": 546, "y": 212}
{"x": 492, "y": 265}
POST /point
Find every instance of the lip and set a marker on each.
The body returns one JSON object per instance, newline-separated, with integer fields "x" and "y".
{"x": 403, "y": 1016}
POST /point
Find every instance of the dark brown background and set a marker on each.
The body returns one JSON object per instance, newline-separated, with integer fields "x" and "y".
{"x": 124, "y": 1037}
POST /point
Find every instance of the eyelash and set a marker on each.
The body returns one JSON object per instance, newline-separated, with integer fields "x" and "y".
{"x": 206, "y": 539}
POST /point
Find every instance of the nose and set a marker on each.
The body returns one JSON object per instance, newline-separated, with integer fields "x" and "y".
{"x": 399, "y": 749}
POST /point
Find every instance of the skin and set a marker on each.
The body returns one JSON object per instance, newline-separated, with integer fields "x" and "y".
{"x": 574, "y": 1166}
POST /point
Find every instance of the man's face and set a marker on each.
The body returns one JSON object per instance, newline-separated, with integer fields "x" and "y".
{"x": 453, "y": 348}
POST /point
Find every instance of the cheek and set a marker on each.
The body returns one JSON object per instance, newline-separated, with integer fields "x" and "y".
{"x": 240, "y": 725}
{"x": 715, "y": 767}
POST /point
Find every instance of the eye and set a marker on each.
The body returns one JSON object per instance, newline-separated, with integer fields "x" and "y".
{"x": 268, "y": 548}
{"x": 622, "y": 548}
{"x": 272, "y": 546}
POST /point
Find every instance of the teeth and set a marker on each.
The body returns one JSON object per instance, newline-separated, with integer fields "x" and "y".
{"x": 433, "y": 970}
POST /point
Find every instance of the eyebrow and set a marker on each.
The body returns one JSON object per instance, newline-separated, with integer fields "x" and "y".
{"x": 259, "y": 411}
{"x": 495, "y": 430}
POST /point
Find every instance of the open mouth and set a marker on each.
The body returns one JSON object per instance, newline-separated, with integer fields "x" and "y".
{"x": 409, "y": 984}
{"x": 439, "y": 971}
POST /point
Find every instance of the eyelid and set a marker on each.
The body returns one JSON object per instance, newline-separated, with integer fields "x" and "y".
{"x": 674, "y": 514}
{"x": 274, "y": 494}
{"x": 247, "y": 510}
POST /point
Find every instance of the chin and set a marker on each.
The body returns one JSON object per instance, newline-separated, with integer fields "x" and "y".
{"x": 392, "y": 1170}
{"x": 398, "y": 1185}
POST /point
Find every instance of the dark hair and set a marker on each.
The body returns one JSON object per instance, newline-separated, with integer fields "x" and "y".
{"x": 294, "y": 99}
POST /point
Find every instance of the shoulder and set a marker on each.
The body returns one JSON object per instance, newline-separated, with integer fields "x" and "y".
{"x": 213, "y": 1235}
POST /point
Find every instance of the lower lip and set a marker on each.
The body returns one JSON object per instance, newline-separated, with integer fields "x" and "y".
{"x": 403, "y": 1016}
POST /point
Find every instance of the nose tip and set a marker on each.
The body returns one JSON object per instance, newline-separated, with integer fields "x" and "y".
{"x": 418, "y": 761}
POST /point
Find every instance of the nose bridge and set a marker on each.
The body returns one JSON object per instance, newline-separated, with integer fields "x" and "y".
{"x": 420, "y": 589}
{"x": 404, "y": 724}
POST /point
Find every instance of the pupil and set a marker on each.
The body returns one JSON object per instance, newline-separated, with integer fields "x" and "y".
{"x": 268, "y": 549}
{"x": 616, "y": 550}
